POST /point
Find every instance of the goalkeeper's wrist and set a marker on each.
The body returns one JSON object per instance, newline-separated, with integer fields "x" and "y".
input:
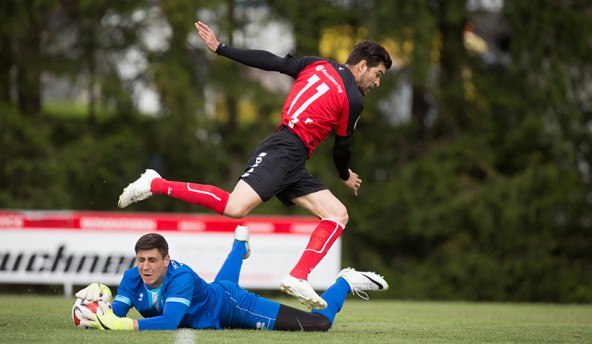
{"x": 112, "y": 322}
{"x": 126, "y": 324}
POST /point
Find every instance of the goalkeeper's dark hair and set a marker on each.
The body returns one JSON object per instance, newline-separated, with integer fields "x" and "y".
{"x": 153, "y": 240}
{"x": 372, "y": 52}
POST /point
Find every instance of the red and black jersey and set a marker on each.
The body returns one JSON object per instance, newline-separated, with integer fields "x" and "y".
{"x": 324, "y": 96}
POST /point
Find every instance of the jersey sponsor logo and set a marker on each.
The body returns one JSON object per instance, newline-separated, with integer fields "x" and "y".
{"x": 322, "y": 69}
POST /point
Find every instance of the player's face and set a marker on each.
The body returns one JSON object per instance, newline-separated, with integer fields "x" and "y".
{"x": 369, "y": 78}
{"x": 152, "y": 267}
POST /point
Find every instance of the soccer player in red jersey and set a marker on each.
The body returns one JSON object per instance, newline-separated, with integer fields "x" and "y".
{"x": 325, "y": 95}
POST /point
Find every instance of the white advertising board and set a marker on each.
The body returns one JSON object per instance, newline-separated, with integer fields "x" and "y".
{"x": 78, "y": 248}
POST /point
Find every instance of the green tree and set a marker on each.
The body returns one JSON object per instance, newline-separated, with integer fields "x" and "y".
{"x": 486, "y": 208}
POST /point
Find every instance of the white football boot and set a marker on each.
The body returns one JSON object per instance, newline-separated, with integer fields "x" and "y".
{"x": 303, "y": 291}
{"x": 241, "y": 233}
{"x": 138, "y": 190}
{"x": 360, "y": 281}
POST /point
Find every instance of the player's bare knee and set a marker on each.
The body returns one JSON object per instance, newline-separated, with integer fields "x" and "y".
{"x": 344, "y": 218}
{"x": 341, "y": 215}
{"x": 236, "y": 212}
{"x": 336, "y": 213}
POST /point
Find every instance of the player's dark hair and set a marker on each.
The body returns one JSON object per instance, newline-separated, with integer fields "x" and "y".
{"x": 372, "y": 52}
{"x": 153, "y": 240}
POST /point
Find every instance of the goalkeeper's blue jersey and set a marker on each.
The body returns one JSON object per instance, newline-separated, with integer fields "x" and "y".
{"x": 198, "y": 304}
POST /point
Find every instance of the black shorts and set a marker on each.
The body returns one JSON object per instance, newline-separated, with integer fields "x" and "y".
{"x": 277, "y": 168}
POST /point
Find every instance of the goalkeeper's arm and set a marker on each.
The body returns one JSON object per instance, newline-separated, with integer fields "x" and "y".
{"x": 170, "y": 319}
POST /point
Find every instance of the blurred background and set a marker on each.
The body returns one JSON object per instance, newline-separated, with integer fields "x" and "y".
{"x": 475, "y": 151}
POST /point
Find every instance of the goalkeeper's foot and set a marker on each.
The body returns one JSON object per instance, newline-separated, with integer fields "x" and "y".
{"x": 360, "y": 281}
{"x": 138, "y": 190}
{"x": 303, "y": 291}
{"x": 241, "y": 233}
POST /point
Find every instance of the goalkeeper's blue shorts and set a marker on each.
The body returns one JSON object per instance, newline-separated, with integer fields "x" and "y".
{"x": 242, "y": 309}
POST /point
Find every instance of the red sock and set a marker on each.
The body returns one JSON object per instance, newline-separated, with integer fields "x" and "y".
{"x": 207, "y": 196}
{"x": 321, "y": 240}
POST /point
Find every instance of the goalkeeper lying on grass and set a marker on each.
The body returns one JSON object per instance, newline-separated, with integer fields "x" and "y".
{"x": 170, "y": 295}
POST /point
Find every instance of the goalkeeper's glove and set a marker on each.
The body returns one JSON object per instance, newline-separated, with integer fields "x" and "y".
{"x": 107, "y": 321}
{"x": 95, "y": 292}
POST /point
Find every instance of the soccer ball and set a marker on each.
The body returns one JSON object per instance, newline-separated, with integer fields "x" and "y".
{"x": 93, "y": 306}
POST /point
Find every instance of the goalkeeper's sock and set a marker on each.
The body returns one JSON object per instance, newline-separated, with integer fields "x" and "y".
{"x": 207, "y": 196}
{"x": 321, "y": 240}
{"x": 335, "y": 297}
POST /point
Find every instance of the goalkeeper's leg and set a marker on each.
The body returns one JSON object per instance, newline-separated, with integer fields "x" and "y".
{"x": 230, "y": 270}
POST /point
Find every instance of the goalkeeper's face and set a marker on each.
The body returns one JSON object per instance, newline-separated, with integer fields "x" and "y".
{"x": 152, "y": 267}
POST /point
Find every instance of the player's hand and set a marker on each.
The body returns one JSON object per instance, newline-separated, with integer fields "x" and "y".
{"x": 107, "y": 321}
{"x": 353, "y": 182}
{"x": 95, "y": 292}
{"x": 207, "y": 36}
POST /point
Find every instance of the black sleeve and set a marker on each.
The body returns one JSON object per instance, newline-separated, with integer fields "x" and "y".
{"x": 341, "y": 155}
{"x": 289, "y": 65}
{"x": 253, "y": 58}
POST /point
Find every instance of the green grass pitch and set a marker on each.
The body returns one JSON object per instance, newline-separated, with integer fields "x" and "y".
{"x": 46, "y": 319}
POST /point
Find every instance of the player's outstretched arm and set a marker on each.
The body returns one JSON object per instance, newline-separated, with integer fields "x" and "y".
{"x": 207, "y": 36}
{"x": 261, "y": 59}
{"x": 95, "y": 292}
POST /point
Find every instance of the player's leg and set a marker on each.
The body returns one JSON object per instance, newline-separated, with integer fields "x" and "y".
{"x": 292, "y": 319}
{"x": 250, "y": 311}
{"x": 349, "y": 280}
{"x": 237, "y": 204}
{"x": 334, "y": 217}
{"x": 244, "y": 310}
{"x": 259, "y": 182}
{"x": 230, "y": 270}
